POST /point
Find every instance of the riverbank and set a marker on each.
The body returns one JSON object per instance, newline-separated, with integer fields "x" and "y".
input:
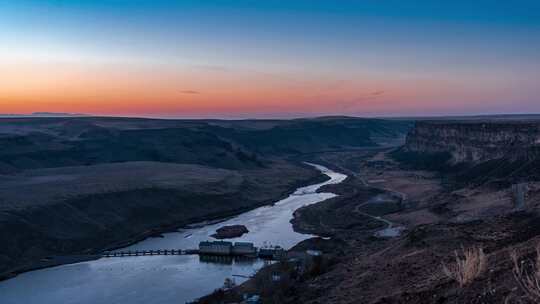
{"x": 353, "y": 227}
{"x": 285, "y": 179}
{"x": 341, "y": 231}
{"x": 365, "y": 264}
{"x": 167, "y": 279}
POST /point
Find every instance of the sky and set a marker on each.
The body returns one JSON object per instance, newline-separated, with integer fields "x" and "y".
{"x": 262, "y": 59}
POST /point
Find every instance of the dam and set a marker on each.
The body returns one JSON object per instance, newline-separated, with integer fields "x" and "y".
{"x": 219, "y": 248}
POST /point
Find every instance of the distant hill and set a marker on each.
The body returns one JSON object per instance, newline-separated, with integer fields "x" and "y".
{"x": 44, "y": 114}
{"x": 49, "y": 142}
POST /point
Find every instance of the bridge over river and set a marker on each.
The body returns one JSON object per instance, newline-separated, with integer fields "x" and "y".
{"x": 126, "y": 253}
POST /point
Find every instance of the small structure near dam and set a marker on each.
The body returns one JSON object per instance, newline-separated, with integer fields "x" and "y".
{"x": 519, "y": 195}
{"x": 239, "y": 249}
{"x": 215, "y": 248}
{"x": 243, "y": 249}
{"x": 227, "y": 248}
{"x": 272, "y": 253}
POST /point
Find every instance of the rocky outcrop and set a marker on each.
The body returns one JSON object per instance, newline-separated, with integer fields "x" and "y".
{"x": 229, "y": 232}
{"x": 474, "y": 142}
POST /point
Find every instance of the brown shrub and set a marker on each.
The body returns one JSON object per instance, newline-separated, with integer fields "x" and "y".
{"x": 468, "y": 266}
{"x": 527, "y": 275}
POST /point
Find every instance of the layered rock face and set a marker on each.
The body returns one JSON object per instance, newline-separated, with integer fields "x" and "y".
{"x": 472, "y": 142}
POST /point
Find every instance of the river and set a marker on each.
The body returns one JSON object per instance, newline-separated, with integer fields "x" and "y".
{"x": 166, "y": 279}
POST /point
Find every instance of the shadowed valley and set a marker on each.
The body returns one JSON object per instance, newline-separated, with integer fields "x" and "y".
{"x": 78, "y": 185}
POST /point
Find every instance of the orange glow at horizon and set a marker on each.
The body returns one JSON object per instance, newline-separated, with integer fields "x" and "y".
{"x": 140, "y": 90}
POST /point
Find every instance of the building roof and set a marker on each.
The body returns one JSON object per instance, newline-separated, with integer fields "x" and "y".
{"x": 243, "y": 244}
{"x": 215, "y": 243}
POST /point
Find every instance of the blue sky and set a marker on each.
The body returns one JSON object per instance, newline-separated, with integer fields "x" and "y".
{"x": 429, "y": 57}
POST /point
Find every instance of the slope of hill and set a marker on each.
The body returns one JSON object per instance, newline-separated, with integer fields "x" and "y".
{"x": 81, "y": 184}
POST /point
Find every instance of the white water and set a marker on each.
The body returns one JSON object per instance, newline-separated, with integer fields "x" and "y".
{"x": 164, "y": 279}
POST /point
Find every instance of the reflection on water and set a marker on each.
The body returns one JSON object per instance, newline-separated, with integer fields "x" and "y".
{"x": 165, "y": 279}
{"x": 227, "y": 260}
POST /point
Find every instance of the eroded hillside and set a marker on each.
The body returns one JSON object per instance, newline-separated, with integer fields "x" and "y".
{"x": 478, "y": 141}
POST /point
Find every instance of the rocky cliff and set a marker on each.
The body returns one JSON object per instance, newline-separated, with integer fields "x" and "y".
{"x": 475, "y": 142}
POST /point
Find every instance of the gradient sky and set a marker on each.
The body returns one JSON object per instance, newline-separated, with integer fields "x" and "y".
{"x": 260, "y": 58}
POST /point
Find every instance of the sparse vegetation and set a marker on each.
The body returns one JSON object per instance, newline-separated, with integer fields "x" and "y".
{"x": 468, "y": 266}
{"x": 527, "y": 275}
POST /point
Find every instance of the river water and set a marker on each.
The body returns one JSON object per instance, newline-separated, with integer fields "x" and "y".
{"x": 165, "y": 279}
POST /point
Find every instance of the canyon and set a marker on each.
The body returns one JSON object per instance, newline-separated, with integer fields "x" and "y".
{"x": 476, "y": 141}
{"x": 450, "y": 187}
{"x": 80, "y": 185}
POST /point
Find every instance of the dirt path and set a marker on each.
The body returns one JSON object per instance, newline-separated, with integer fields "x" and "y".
{"x": 391, "y": 229}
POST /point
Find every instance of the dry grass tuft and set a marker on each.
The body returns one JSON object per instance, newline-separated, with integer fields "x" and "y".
{"x": 527, "y": 274}
{"x": 468, "y": 266}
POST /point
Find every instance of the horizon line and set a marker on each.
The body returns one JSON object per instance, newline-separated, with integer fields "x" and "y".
{"x": 277, "y": 117}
